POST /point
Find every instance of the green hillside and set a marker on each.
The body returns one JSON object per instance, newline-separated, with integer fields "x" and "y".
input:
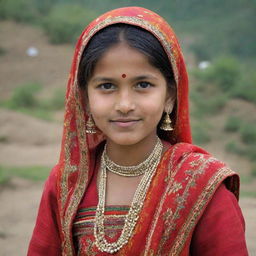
{"x": 223, "y": 96}
{"x": 217, "y": 26}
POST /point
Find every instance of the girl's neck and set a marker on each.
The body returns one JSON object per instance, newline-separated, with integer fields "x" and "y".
{"x": 130, "y": 154}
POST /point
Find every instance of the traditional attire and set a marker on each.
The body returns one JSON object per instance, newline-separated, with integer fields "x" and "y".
{"x": 191, "y": 205}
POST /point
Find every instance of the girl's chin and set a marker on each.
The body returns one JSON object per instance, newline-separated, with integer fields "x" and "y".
{"x": 125, "y": 139}
{"x": 123, "y": 142}
{"x": 129, "y": 139}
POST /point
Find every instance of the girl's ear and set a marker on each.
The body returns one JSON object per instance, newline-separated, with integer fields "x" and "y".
{"x": 169, "y": 103}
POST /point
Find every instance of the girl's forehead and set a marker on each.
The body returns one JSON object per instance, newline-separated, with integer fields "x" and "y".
{"x": 123, "y": 53}
{"x": 124, "y": 61}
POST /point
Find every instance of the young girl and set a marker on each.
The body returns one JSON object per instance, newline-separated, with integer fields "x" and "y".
{"x": 129, "y": 181}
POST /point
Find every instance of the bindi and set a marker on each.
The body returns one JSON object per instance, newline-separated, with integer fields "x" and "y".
{"x": 123, "y": 75}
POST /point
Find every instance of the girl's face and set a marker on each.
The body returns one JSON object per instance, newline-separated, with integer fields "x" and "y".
{"x": 127, "y": 96}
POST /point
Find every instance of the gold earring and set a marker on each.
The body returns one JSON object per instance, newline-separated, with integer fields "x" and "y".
{"x": 166, "y": 123}
{"x": 90, "y": 126}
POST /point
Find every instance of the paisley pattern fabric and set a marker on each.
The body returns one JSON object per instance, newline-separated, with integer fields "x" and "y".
{"x": 186, "y": 178}
{"x": 84, "y": 224}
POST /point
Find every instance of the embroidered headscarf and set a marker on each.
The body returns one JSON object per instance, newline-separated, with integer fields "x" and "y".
{"x": 75, "y": 163}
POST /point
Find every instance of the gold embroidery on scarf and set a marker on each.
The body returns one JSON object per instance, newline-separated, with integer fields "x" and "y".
{"x": 175, "y": 188}
{"x": 64, "y": 178}
{"x": 170, "y": 178}
{"x": 67, "y": 169}
{"x": 170, "y": 224}
{"x": 170, "y": 50}
{"x": 82, "y": 177}
{"x": 198, "y": 208}
{"x": 83, "y": 166}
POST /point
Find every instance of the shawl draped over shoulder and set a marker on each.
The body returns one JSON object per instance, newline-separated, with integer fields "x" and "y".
{"x": 182, "y": 190}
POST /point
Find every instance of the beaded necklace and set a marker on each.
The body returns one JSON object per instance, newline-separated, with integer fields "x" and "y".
{"x": 135, "y": 170}
{"x": 136, "y": 205}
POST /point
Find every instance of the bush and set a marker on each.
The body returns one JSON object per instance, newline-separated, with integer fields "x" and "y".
{"x": 56, "y": 102}
{"x": 200, "y": 50}
{"x": 4, "y": 178}
{"x": 65, "y": 22}
{"x": 208, "y": 105}
{"x": 36, "y": 173}
{"x": 248, "y": 133}
{"x": 2, "y": 51}
{"x": 253, "y": 171}
{"x": 224, "y": 72}
{"x": 24, "y": 97}
{"x": 246, "y": 88}
{"x": 233, "y": 124}
{"x": 199, "y": 134}
{"x": 233, "y": 147}
{"x": 248, "y": 151}
{"x": 45, "y": 6}
{"x": 18, "y": 10}
{"x": 251, "y": 152}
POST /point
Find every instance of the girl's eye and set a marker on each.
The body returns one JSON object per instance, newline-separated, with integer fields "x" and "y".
{"x": 143, "y": 85}
{"x": 106, "y": 86}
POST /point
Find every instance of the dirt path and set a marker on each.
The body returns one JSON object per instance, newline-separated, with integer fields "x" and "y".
{"x": 19, "y": 204}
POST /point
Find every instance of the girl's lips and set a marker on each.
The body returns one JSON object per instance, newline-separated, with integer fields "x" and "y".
{"x": 124, "y": 123}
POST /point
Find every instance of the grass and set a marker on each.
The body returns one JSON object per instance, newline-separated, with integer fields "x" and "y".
{"x": 3, "y": 234}
{"x": 247, "y": 193}
{"x": 4, "y": 177}
{"x": 247, "y": 189}
{"x": 200, "y": 133}
{"x": 253, "y": 171}
{"x": 2, "y": 51}
{"x": 248, "y": 151}
{"x": 35, "y": 173}
{"x": 64, "y": 22}
{"x": 234, "y": 148}
{"x": 205, "y": 106}
{"x": 233, "y": 124}
{"x": 245, "y": 89}
{"x": 38, "y": 113}
{"x": 248, "y": 133}
{"x": 3, "y": 139}
{"x": 245, "y": 179}
{"x": 25, "y": 99}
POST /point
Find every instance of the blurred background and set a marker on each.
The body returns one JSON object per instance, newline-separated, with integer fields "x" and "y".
{"x": 37, "y": 40}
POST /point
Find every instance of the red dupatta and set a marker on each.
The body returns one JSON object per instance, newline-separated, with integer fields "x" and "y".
{"x": 77, "y": 146}
{"x": 186, "y": 177}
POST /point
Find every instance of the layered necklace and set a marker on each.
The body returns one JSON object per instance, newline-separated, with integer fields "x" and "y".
{"x": 147, "y": 168}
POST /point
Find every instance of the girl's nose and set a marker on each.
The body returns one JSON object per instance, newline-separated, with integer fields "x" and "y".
{"x": 125, "y": 102}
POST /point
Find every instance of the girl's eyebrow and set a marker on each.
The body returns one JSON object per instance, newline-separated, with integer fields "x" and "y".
{"x": 102, "y": 79}
{"x": 133, "y": 79}
{"x": 144, "y": 77}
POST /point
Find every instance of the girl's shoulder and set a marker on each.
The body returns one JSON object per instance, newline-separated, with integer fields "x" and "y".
{"x": 182, "y": 150}
{"x": 50, "y": 185}
{"x": 191, "y": 162}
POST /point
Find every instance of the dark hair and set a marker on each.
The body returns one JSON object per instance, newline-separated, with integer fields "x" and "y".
{"x": 135, "y": 37}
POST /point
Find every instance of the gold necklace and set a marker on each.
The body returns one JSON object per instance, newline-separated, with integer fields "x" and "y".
{"x": 133, "y": 214}
{"x": 135, "y": 170}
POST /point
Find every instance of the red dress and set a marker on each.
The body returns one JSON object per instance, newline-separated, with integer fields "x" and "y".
{"x": 209, "y": 237}
{"x": 218, "y": 228}
{"x": 187, "y": 209}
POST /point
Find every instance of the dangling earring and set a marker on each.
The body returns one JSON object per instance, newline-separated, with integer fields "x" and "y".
{"x": 166, "y": 123}
{"x": 90, "y": 125}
